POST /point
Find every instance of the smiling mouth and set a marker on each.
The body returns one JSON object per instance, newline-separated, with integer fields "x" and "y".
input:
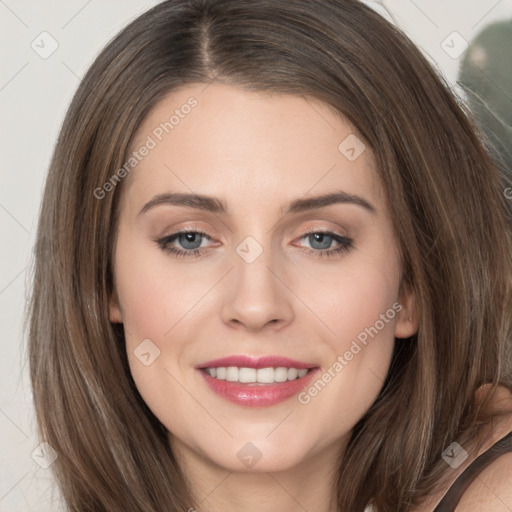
{"x": 257, "y": 381}
{"x": 261, "y": 376}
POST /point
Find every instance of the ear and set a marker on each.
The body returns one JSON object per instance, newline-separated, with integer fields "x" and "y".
{"x": 407, "y": 322}
{"x": 115, "y": 314}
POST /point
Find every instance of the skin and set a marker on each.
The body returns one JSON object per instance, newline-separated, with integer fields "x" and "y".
{"x": 492, "y": 487}
{"x": 256, "y": 152}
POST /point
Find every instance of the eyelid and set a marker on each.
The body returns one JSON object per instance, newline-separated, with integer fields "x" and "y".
{"x": 184, "y": 228}
{"x": 324, "y": 229}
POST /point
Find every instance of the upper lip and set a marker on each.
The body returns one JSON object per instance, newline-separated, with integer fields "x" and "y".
{"x": 243, "y": 361}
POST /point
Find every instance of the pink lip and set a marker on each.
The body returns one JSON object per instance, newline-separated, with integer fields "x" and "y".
{"x": 256, "y": 362}
{"x": 256, "y": 394}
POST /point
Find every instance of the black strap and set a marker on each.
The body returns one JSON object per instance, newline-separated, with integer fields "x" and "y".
{"x": 452, "y": 497}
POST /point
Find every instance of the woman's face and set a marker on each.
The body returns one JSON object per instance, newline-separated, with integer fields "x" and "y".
{"x": 309, "y": 285}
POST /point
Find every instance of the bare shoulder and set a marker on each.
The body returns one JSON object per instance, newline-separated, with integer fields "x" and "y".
{"x": 491, "y": 489}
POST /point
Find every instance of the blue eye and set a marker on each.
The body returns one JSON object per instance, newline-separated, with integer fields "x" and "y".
{"x": 325, "y": 239}
{"x": 190, "y": 240}
{"x": 191, "y": 243}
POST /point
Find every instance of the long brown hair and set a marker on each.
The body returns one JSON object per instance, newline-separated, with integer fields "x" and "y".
{"x": 446, "y": 201}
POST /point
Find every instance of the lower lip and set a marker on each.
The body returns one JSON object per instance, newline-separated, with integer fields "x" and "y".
{"x": 258, "y": 395}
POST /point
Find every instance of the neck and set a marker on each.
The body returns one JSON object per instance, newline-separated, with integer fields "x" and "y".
{"x": 308, "y": 485}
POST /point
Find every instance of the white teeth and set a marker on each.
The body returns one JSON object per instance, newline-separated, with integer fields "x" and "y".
{"x": 232, "y": 374}
{"x": 260, "y": 375}
{"x": 265, "y": 375}
{"x": 281, "y": 374}
{"x": 247, "y": 375}
{"x": 292, "y": 373}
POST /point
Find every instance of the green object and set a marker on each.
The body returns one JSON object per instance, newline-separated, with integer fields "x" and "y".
{"x": 486, "y": 76}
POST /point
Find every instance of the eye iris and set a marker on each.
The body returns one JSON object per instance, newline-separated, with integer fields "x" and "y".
{"x": 186, "y": 238}
{"x": 321, "y": 237}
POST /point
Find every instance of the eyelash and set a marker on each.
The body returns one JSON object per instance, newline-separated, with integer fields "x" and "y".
{"x": 346, "y": 244}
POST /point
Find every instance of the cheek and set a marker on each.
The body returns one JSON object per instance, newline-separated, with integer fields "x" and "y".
{"x": 350, "y": 298}
{"x": 155, "y": 293}
{"x": 160, "y": 301}
{"x": 155, "y": 306}
{"x": 360, "y": 307}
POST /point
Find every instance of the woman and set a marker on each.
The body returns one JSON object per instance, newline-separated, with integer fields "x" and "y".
{"x": 279, "y": 272}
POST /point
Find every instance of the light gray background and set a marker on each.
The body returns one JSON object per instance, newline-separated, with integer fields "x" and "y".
{"x": 34, "y": 95}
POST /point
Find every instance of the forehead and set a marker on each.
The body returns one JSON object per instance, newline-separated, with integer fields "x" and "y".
{"x": 223, "y": 140}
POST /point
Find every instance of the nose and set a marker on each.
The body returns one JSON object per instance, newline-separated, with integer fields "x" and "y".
{"x": 257, "y": 296}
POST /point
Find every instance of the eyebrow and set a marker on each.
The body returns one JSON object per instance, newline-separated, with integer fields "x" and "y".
{"x": 215, "y": 205}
